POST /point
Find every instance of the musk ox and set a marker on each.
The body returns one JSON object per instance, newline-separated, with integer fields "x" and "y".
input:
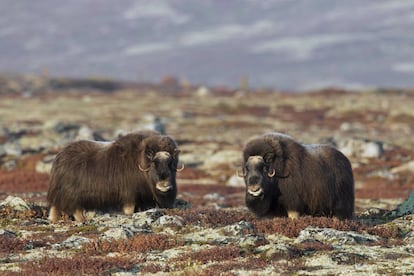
{"x": 137, "y": 171}
{"x": 286, "y": 178}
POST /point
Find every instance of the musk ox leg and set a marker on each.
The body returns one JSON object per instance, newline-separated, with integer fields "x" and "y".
{"x": 78, "y": 215}
{"x": 293, "y": 214}
{"x": 128, "y": 208}
{"x": 53, "y": 214}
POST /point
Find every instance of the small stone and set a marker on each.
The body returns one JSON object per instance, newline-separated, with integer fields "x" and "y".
{"x": 16, "y": 203}
{"x": 7, "y": 234}
{"x": 13, "y": 148}
{"x": 335, "y": 237}
{"x": 73, "y": 242}
{"x": 118, "y": 233}
{"x": 236, "y": 181}
{"x": 360, "y": 147}
{"x": 407, "y": 167}
{"x": 170, "y": 221}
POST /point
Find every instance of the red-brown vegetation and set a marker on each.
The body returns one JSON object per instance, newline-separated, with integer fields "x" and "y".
{"x": 22, "y": 181}
{"x": 78, "y": 265}
{"x": 140, "y": 243}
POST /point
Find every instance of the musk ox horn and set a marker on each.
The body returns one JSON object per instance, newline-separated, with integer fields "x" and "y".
{"x": 180, "y": 169}
{"x": 143, "y": 170}
{"x": 271, "y": 174}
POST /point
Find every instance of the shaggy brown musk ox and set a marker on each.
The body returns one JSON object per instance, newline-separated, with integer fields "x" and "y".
{"x": 286, "y": 178}
{"x": 137, "y": 171}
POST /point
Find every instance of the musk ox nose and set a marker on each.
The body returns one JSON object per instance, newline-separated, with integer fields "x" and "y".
{"x": 255, "y": 190}
{"x": 254, "y": 179}
{"x": 163, "y": 186}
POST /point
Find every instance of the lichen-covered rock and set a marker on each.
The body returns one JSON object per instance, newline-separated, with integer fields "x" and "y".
{"x": 405, "y": 208}
{"x": 118, "y": 233}
{"x": 15, "y": 203}
{"x": 73, "y": 242}
{"x": 334, "y": 237}
{"x": 360, "y": 147}
{"x": 7, "y": 234}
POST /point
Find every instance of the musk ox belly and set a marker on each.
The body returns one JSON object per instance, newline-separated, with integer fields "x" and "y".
{"x": 88, "y": 196}
{"x": 101, "y": 198}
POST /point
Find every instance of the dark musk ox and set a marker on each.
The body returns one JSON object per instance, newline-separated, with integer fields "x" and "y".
{"x": 286, "y": 178}
{"x": 137, "y": 171}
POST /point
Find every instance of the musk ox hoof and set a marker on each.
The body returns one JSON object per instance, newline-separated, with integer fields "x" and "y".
{"x": 293, "y": 214}
{"x": 53, "y": 214}
{"x": 128, "y": 209}
{"x": 78, "y": 215}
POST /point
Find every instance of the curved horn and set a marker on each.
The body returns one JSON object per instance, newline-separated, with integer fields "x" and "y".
{"x": 180, "y": 169}
{"x": 241, "y": 174}
{"x": 143, "y": 170}
{"x": 271, "y": 174}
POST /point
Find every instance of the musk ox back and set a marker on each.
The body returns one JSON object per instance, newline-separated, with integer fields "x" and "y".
{"x": 285, "y": 178}
{"x": 137, "y": 171}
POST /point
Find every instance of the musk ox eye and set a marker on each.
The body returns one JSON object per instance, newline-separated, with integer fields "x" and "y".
{"x": 268, "y": 158}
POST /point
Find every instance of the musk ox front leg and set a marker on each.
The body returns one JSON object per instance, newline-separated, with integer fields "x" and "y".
{"x": 78, "y": 215}
{"x": 293, "y": 214}
{"x": 128, "y": 208}
{"x": 54, "y": 214}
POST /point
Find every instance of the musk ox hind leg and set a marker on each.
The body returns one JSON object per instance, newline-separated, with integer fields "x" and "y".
{"x": 78, "y": 215}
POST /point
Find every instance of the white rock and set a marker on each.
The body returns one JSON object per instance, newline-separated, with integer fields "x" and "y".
{"x": 43, "y": 168}
{"x": 235, "y": 181}
{"x": 16, "y": 203}
{"x": 409, "y": 167}
{"x": 170, "y": 220}
{"x": 7, "y": 234}
{"x": 203, "y": 91}
{"x": 118, "y": 233}
{"x": 72, "y": 242}
{"x": 222, "y": 157}
{"x": 13, "y": 149}
{"x": 85, "y": 133}
{"x": 360, "y": 147}
{"x": 334, "y": 237}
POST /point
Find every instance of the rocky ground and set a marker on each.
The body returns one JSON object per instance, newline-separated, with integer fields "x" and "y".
{"x": 210, "y": 231}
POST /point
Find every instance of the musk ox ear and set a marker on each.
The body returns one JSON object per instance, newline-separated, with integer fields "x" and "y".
{"x": 269, "y": 158}
{"x": 176, "y": 153}
{"x": 119, "y": 149}
{"x": 149, "y": 154}
{"x": 278, "y": 157}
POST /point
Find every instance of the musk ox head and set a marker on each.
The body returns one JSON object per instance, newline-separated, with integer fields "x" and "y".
{"x": 158, "y": 161}
{"x": 263, "y": 165}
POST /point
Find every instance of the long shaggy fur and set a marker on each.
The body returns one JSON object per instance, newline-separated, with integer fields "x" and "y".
{"x": 312, "y": 180}
{"x": 93, "y": 175}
